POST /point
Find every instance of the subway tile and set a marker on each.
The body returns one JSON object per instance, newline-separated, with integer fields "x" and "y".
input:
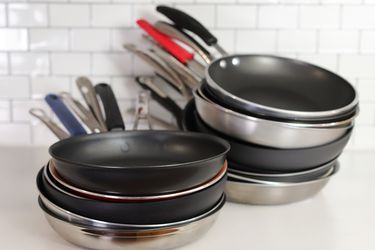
{"x": 205, "y": 14}
{"x": 16, "y": 39}
{"x": 278, "y": 17}
{"x": 364, "y": 137}
{"x": 296, "y": 41}
{"x": 27, "y": 15}
{"x": 4, "y": 111}
{"x": 14, "y": 87}
{"x": 357, "y": 65}
{"x": 358, "y": 17}
{"x": 146, "y": 11}
{"x": 366, "y": 114}
{"x": 122, "y": 36}
{"x": 41, "y": 86}
{"x": 20, "y": 109}
{"x": 257, "y": 41}
{"x": 325, "y": 61}
{"x": 338, "y": 41}
{"x": 111, "y": 15}
{"x": 125, "y": 87}
{"x": 329, "y": 17}
{"x": 69, "y": 15}
{"x": 3, "y": 63}
{"x": 367, "y": 42}
{"x": 366, "y": 90}
{"x": 14, "y": 134}
{"x": 236, "y": 16}
{"x": 49, "y": 39}
{"x": 225, "y": 39}
{"x": 3, "y": 20}
{"x": 29, "y": 63}
{"x": 90, "y": 39}
{"x": 42, "y": 135}
{"x": 111, "y": 64}
{"x": 70, "y": 63}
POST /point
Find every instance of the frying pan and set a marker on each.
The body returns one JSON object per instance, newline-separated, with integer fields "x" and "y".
{"x": 166, "y": 236}
{"x": 57, "y": 180}
{"x": 278, "y": 87}
{"x": 299, "y": 176}
{"x": 257, "y": 158}
{"x": 271, "y": 133}
{"x": 136, "y": 163}
{"x": 282, "y": 193}
{"x": 135, "y": 212}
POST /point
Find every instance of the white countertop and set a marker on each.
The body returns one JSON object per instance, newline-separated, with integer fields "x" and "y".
{"x": 341, "y": 217}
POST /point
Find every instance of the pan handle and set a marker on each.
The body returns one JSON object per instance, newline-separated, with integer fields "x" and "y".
{"x": 161, "y": 97}
{"x": 173, "y": 32}
{"x": 87, "y": 90}
{"x": 65, "y": 115}
{"x": 112, "y": 111}
{"x": 176, "y": 50}
{"x": 42, "y": 116}
{"x": 185, "y": 21}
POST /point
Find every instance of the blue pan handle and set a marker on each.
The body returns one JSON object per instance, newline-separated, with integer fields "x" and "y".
{"x": 65, "y": 115}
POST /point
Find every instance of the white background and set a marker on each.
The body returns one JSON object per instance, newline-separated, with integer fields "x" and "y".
{"x": 46, "y": 44}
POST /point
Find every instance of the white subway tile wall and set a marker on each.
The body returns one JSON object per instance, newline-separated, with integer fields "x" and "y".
{"x": 46, "y": 44}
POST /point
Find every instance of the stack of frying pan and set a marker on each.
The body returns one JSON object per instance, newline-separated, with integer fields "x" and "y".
{"x": 128, "y": 189}
{"x": 287, "y": 121}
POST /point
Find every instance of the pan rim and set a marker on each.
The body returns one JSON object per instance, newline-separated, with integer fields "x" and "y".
{"x": 212, "y": 138}
{"x": 284, "y": 112}
{"x": 295, "y": 125}
{"x": 78, "y": 192}
{"x": 111, "y": 225}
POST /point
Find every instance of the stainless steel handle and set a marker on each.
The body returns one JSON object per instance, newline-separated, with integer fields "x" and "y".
{"x": 87, "y": 90}
{"x": 85, "y": 115}
{"x": 163, "y": 70}
{"x": 173, "y": 32}
{"x": 190, "y": 78}
{"x": 42, "y": 116}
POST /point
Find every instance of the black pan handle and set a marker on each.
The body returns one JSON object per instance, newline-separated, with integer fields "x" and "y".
{"x": 112, "y": 112}
{"x": 161, "y": 97}
{"x": 185, "y": 21}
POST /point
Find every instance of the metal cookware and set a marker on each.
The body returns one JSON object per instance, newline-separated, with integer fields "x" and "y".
{"x": 166, "y": 236}
{"x": 66, "y": 117}
{"x": 139, "y": 162}
{"x": 297, "y": 176}
{"x": 185, "y": 21}
{"x": 135, "y": 212}
{"x": 173, "y": 48}
{"x": 55, "y": 179}
{"x": 173, "y": 32}
{"x": 284, "y": 88}
{"x": 87, "y": 90}
{"x": 43, "y": 117}
{"x": 266, "y": 132}
{"x": 274, "y": 193}
{"x": 256, "y": 158}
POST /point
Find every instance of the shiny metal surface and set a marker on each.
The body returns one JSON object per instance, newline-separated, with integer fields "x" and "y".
{"x": 79, "y": 219}
{"x": 157, "y": 238}
{"x": 272, "y": 111}
{"x": 42, "y": 116}
{"x": 88, "y": 92}
{"x": 281, "y": 193}
{"x": 267, "y": 132}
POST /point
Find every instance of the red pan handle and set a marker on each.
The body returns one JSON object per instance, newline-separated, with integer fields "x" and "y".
{"x": 168, "y": 44}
